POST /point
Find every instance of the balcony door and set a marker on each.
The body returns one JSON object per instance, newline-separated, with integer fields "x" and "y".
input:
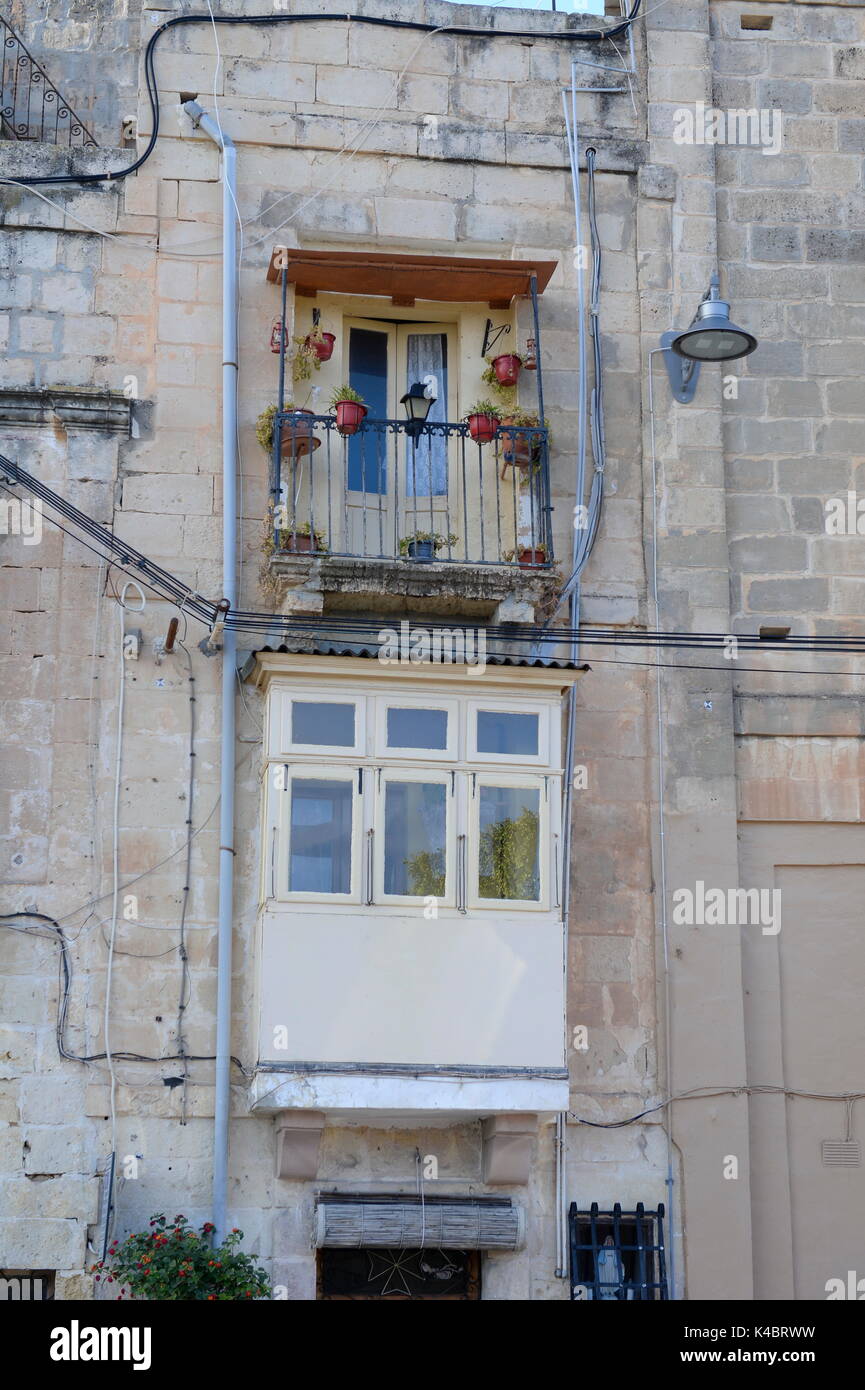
{"x": 395, "y": 486}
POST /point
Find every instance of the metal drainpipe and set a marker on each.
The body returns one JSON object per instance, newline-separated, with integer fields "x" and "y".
{"x": 222, "y": 1114}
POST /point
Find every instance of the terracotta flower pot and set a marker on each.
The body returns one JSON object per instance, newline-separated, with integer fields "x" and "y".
{"x": 482, "y": 428}
{"x": 302, "y": 545}
{"x": 322, "y": 347}
{"x": 296, "y": 437}
{"x": 518, "y": 447}
{"x": 507, "y": 368}
{"x": 531, "y": 559}
{"x": 349, "y": 416}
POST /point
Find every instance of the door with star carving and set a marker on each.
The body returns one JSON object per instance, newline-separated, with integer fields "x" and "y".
{"x": 402, "y": 1276}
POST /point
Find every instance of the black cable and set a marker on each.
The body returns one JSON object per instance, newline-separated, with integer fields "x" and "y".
{"x": 66, "y": 986}
{"x": 575, "y": 36}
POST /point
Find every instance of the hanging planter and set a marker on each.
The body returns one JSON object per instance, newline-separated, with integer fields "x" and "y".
{"x": 507, "y": 368}
{"x": 350, "y": 409}
{"x": 321, "y": 344}
{"x": 296, "y": 438}
{"x": 520, "y": 448}
{"x": 483, "y": 421}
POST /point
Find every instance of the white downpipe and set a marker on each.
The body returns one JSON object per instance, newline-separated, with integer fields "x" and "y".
{"x": 222, "y": 1113}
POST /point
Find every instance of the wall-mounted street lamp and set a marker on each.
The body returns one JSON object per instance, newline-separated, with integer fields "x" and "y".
{"x": 417, "y": 405}
{"x": 711, "y": 337}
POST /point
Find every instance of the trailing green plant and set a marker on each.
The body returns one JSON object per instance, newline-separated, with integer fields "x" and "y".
{"x": 419, "y": 536}
{"x": 345, "y": 393}
{"x": 172, "y": 1261}
{"x": 508, "y": 858}
{"x": 305, "y": 360}
{"x": 484, "y": 407}
{"x": 506, "y": 394}
{"x": 265, "y": 422}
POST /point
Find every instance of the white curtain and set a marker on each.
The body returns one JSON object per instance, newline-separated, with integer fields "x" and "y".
{"x": 427, "y": 463}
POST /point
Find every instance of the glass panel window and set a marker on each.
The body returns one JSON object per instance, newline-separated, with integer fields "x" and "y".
{"x": 415, "y": 827}
{"x": 508, "y": 860}
{"x": 320, "y": 845}
{"x": 317, "y": 724}
{"x": 499, "y": 732}
{"x": 417, "y": 728}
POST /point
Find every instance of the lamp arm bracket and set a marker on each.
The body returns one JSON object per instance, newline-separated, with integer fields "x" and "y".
{"x": 491, "y": 337}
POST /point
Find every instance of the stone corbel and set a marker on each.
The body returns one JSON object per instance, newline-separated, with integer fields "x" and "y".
{"x": 509, "y": 1142}
{"x": 298, "y": 1141}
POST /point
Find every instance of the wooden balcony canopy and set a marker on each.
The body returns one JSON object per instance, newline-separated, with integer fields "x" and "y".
{"x": 403, "y": 279}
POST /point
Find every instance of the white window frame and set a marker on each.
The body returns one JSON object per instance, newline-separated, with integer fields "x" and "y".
{"x": 441, "y": 777}
{"x": 319, "y": 772}
{"x": 450, "y": 707}
{"x": 541, "y": 782}
{"x": 320, "y": 696}
{"x": 541, "y": 759}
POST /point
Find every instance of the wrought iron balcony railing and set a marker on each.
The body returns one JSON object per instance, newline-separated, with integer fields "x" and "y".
{"x": 31, "y": 108}
{"x": 396, "y": 490}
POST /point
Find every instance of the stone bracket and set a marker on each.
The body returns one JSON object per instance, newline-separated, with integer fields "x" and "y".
{"x": 298, "y": 1141}
{"x": 508, "y": 1145}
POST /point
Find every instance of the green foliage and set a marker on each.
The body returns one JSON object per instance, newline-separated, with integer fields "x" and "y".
{"x": 437, "y": 540}
{"x": 173, "y": 1261}
{"x": 426, "y": 874}
{"x": 508, "y": 862}
{"x": 305, "y": 360}
{"x": 345, "y": 393}
{"x": 483, "y": 408}
{"x": 264, "y": 425}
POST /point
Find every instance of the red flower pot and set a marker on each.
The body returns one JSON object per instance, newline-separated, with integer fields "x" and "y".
{"x": 482, "y": 428}
{"x": 302, "y": 545}
{"x": 322, "y": 347}
{"x": 296, "y": 437}
{"x": 507, "y": 368}
{"x": 531, "y": 559}
{"x": 349, "y": 416}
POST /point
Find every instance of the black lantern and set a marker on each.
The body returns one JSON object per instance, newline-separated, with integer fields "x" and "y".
{"x": 417, "y": 406}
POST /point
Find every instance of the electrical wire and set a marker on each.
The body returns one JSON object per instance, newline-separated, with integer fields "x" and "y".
{"x": 6, "y": 922}
{"x": 710, "y": 1093}
{"x": 572, "y": 36}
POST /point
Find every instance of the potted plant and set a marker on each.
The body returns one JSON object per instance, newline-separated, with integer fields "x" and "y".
{"x": 507, "y": 368}
{"x": 350, "y": 409}
{"x": 520, "y": 449}
{"x": 305, "y": 359}
{"x": 172, "y": 1261}
{"x": 527, "y": 556}
{"x": 300, "y": 539}
{"x": 295, "y": 436}
{"x": 424, "y": 545}
{"x": 506, "y": 394}
{"x": 483, "y": 420}
{"x": 320, "y": 344}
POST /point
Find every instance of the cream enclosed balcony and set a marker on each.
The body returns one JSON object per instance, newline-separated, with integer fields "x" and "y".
{"x": 411, "y": 938}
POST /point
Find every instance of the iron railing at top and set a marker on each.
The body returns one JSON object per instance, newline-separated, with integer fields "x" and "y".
{"x": 377, "y": 493}
{"x": 617, "y": 1256}
{"x": 31, "y": 108}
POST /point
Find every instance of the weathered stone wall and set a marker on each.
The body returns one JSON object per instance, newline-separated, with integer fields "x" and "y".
{"x": 460, "y": 151}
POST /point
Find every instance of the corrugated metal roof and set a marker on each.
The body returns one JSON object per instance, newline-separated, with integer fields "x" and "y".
{"x": 331, "y": 647}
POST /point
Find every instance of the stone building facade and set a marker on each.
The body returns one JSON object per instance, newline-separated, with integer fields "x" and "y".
{"x": 362, "y": 140}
